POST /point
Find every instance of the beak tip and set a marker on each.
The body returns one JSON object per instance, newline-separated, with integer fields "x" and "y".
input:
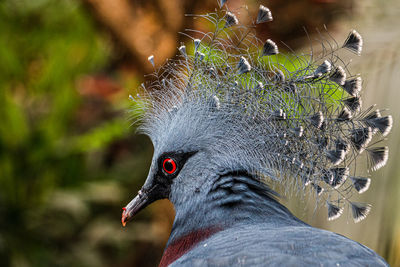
{"x": 133, "y": 207}
{"x": 124, "y": 216}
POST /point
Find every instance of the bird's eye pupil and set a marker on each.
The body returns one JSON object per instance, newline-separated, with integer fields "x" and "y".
{"x": 169, "y": 166}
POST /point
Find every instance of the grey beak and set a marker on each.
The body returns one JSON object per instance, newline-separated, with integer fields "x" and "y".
{"x": 136, "y": 205}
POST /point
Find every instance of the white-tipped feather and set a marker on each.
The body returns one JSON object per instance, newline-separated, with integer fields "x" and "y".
{"x": 317, "y": 119}
{"x": 338, "y": 75}
{"x": 196, "y": 44}
{"x": 345, "y": 115}
{"x": 230, "y": 20}
{"x": 334, "y": 211}
{"x": 322, "y": 69}
{"x": 182, "y": 49}
{"x": 378, "y": 157}
{"x": 243, "y": 65}
{"x": 151, "y": 60}
{"x": 338, "y": 176}
{"x": 361, "y": 184}
{"x": 264, "y": 15}
{"x": 336, "y": 156}
{"x": 382, "y": 124}
{"x": 354, "y": 42}
{"x": 359, "y": 211}
{"x": 278, "y": 76}
{"x": 353, "y": 86}
{"x": 361, "y": 137}
{"x": 298, "y": 131}
{"x": 388, "y": 123}
{"x": 354, "y": 103}
{"x": 270, "y": 48}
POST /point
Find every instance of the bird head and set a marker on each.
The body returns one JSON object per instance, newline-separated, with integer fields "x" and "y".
{"x": 228, "y": 104}
{"x": 194, "y": 144}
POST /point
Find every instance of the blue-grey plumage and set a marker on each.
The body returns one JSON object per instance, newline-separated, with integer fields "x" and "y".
{"x": 263, "y": 245}
{"x": 227, "y": 120}
{"x": 256, "y": 230}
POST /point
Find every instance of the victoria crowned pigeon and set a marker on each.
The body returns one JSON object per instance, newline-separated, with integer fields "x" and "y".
{"x": 229, "y": 118}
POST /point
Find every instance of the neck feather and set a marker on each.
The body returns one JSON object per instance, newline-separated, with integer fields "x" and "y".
{"x": 185, "y": 243}
{"x": 235, "y": 198}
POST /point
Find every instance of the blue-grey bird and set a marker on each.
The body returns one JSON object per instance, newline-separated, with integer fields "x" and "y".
{"x": 229, "y": 119}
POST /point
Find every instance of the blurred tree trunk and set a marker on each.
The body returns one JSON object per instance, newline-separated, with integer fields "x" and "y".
{"x": 138, "y": 29}
{"x": 152, "y": 27}
{"x": 144, "y": 28}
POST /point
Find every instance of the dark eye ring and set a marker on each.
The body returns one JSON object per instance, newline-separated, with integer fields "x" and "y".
{"x": 169, "y": 165}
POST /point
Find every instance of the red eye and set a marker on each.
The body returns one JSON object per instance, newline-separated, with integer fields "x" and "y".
{"x": 169, "y": 165}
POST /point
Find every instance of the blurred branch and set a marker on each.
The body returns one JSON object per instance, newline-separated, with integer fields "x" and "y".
{"x": 151, "y": 27}
{"x": 141, "y": 28}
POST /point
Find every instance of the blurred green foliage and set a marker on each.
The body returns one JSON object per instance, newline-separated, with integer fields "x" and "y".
{"x": 50, "y": 180}
{"x": 44, "y": 48}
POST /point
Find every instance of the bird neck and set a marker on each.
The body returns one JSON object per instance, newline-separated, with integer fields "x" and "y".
{"x": 234, "y": 199}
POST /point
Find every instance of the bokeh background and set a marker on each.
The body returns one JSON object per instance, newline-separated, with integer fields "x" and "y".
{"x": 70, "y": 158}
